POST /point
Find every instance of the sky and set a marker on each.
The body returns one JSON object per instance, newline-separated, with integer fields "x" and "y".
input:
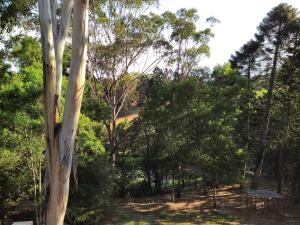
{"x": 238, "y": 22}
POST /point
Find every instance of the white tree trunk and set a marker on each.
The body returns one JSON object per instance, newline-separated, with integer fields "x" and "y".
{"x": 60, "y": 137}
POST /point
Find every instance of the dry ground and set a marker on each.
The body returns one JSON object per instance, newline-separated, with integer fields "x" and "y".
{"x": 194, "y": 208}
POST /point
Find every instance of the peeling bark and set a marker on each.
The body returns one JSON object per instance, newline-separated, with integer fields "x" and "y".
{"x": 60, "y": 136}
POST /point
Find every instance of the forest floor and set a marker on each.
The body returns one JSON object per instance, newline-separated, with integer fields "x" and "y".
{"x": 195, "y": 208}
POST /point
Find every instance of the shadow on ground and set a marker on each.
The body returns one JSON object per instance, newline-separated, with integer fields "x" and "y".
{"x": 194, "y": 208}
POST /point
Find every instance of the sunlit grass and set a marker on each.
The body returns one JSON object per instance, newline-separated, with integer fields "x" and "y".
{"x": 168, "y": 218}
{"x": 137, "y": 223}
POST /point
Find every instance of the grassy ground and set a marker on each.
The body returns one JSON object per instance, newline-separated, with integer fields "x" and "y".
{"x": 194, "y": 208}
{"x": 167, "y": 218}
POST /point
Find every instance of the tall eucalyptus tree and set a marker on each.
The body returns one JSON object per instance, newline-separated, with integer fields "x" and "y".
{"x": 60, "y": 135}
{"x": 126, "y": 43}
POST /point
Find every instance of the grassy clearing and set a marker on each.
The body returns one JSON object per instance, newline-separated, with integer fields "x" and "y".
{"x": 164, "y": 218}
{"x": 194, "y": 208}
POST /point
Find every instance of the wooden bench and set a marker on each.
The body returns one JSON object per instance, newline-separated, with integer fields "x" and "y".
{"x": 270, "y": 199}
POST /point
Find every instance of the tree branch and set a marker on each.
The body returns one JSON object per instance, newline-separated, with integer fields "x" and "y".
{"x": 61, "y": 41}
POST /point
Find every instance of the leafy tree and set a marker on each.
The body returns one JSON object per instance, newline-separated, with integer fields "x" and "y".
{"x": 183, "y": 121}
{"x": 21, "y": 142}
{"x": 92, "y": 183}
{"x": 286, "y": 101}
{"x": 122, "y": 35}
{"x": 11, "y": 12}
{"x": 189, "y": 45}
{"x": 214, "y": 126}
{"x": 23, "y": 50}
{"x": 248, "y": 61}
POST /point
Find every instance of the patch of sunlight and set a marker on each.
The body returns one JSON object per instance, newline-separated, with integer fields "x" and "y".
{"x": 261, "y": 92}
{"x": 217, "y": 219}
{"x": 137, "y": 223}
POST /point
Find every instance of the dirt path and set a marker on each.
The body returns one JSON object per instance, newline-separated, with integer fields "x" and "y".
{"x": 194, "y": 208}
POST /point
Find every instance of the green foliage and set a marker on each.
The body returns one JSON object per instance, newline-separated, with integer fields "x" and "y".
{"x": 17, "y": 90}
{"x": 188, "y": 45}
{"x": 21, "y": 139}
{"x": 128, "y": 33}
{"x": 11, "y": 12}
{"x": 24, "y": 50}
{"x": 91, "y": 201}
{"x": 90, "y": 198}
{"x": 269, "y": 103}
{"x": 191, "y": 122}
{"x": 89, "y": 146}
{"x": 22, "y": 142}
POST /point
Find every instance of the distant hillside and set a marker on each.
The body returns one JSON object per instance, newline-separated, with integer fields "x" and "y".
{"x": 129, "y": 115}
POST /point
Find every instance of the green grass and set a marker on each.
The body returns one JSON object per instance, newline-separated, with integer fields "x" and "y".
{"x": 137, "y": 223}
{"x": 174, "y": 218}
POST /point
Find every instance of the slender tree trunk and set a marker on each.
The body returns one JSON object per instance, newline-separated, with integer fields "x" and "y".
{"x": 35, "y": 190}
{"x": 159, "y": 182}
{"x": 278, "y": 174}
{"x": 149, "y": 181}
{"x": 182, "y": 178}
{"x": 248, "y": 114}
{"x": 173, "y": 184}
{"x": 113, "y": 143}
{"x": 166, "y": 181}
{"x": 112, "y": 133}
{"x": 147, "y": 161}
{"x": 265, "y": 123}
{"x": 215, "y": 196}
{"x": 215, "y": 186}
{"x": 294, "y": 183}
{"x": 155, "y": 182}
{"x": 178, "y": 189}
{"x": 60, "y": 137}
{"x": 40, "y": 198}
{"x": 283, "y": 146}
{"x": 204, "y": 184}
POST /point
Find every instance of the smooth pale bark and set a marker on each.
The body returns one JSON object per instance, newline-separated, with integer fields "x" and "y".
{"x": 111, "y": 126}
{"x": 49, "y": 71}
{"x": 61, "y": 42}
{"x": 60, "y": 136}
{"x": 113, "y": 140}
